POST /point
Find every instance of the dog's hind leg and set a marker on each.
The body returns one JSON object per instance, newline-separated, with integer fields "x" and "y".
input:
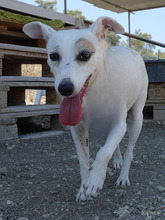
{"x": 117, "y": 158}
{"x": 134, "y": 125}
{"x": 80, "y": 137}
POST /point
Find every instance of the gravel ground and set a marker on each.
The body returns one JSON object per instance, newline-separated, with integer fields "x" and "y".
{"x": 39, "y": 179}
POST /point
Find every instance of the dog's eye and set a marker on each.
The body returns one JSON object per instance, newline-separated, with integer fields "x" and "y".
{"x": 54, "y": 56}
{"x": 84, "y": 56}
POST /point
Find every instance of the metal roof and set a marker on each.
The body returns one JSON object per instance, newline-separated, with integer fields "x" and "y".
{"x": 127, "y": 5}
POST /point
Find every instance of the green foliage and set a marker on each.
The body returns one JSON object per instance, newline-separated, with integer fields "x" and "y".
{"x": 8, "y": 16}
{"x": 146, "y": 50}
{"x": 76, "y": 13}
{"x": 160, "y": 54}
{"x": 113, "y": 38}
{"x": 47, "y": 4}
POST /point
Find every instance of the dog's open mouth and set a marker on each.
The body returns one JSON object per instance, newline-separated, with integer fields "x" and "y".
{"x": 71, "y": 109}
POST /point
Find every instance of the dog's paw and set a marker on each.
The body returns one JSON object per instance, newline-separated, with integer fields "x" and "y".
{"x": 117, "y": 163}
{"x": 81, "y": 197}
{"x": 123, "y": 182}
{"x": 94, "y": 184}
{"x": 92, "y": 188}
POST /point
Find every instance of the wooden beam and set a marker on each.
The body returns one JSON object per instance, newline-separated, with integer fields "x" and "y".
{"x": 13, "y": 33}
{"x": 28, "y": 111}
{"x": 9, "y": 49}
{"x": 27, "y": 82}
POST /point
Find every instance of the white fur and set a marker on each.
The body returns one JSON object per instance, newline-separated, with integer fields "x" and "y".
{"x": 115, "y": 98}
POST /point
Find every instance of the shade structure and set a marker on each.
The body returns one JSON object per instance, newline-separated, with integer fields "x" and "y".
{"x": 120, "y": 6}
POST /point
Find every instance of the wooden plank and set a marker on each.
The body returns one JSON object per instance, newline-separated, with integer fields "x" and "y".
{"x": 159, "y": 115}
{"x": 159, "y": 112}
{"x": 28, "y": 111}
{"x": 3, "y": 28}
{"x": 4, "y": 88}
{"x": 8, "y": 132}
{"x": 30, "y": 82}
{"x": 12, "y": 24}
{"x": 1, "y": 62}
{"x": 159, "y": 107}
{"x": 12, "y": 33}
{"x": 8, "y": 121}
{"x": 25, "y": 79}
{"x": 28, "y": 108}
{"x": 16, "y": 50}
{"x": 3, "y": 99}
{"x": 156, "y": 93}
{"x": 155, "y": 102}
{"x": 39, "y": 85}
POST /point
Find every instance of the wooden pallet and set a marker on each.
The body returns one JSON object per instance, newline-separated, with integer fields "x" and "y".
{"x": 10, "y": 115}
{"x": 157, "y": 108}
{"x": 13, "y": 89}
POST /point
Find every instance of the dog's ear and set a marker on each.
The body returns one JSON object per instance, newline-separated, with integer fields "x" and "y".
{"x": 38, "y": 30}
{"x": 105, "y": 23}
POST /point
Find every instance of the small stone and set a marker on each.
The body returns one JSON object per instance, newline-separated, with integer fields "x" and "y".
{"x": 30, "y": 183}
{"x": 162, "y": 156}
{"x": 109, "y": 171}
{"x": 47, "y": 216}
{"x": 148, "y": 218}
{"x": 122, "y": 212}
{"x": 11, "y": 147}
{"x": 161, "y": 189}
{"x": 69, "y": 169}
{"x": 139, "y": 193}
{"x": 140, "y": 207}
{"x": 32, "y": 175}
{"x": 54, "y": 177}
{"x": 152, "y": 208}
{"x": 121, "y": 193}
{"x": 96, "y": 218}
{"x": 22, "y": 218}
{"x": 74, "y": 157}
{"x": 3, "y": 171}
{"x": 163, "y": 123}
{"x": 9, "y": 202}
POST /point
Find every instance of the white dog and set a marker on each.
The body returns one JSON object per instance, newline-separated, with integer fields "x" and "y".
{"x": 101, "y": 84}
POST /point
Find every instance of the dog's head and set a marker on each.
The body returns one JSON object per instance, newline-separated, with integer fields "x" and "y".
{"x": 74, "y": 55}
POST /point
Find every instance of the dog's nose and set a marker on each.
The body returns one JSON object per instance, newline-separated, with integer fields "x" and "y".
{"x": 66, "y": 88}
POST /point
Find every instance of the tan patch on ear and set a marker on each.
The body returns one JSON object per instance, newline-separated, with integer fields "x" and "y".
{"x": 112, "y": 25}
{"x": 83, "y": 43}
{"x": 106, "y": 25}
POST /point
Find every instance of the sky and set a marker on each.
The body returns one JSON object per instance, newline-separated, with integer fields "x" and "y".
{"x": 149, "y": 21}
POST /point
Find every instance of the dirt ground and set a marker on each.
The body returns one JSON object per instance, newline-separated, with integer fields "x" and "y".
{"x": 39, "y": 179}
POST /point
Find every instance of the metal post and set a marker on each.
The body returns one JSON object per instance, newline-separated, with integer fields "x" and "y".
{"x": 65, "y": 6}
{"x": 129, "y": 28}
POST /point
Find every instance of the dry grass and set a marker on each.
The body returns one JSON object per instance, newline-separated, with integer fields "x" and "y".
{"x": 32, "y": 70}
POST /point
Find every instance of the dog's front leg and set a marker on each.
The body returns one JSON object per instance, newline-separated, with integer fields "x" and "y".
{"x": 99, "y": 166}
{"x": 80, "y": 137}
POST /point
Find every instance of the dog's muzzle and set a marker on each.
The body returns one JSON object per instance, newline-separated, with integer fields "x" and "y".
{"x": 66, "y": 87}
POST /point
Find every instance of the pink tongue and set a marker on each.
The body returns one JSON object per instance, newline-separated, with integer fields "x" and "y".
{"x": 70, "y": 111}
